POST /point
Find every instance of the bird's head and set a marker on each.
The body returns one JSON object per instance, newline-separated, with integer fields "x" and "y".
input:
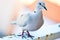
{"x": 42, "y": 5}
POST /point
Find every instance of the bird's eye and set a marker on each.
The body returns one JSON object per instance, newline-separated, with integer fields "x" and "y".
{"x": 39, "y": 3}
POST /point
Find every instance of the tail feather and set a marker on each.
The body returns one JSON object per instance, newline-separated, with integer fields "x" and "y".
{"x": 13, "y": 23}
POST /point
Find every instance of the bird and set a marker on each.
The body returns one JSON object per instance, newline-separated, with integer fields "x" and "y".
{"x": 30, "y": 21}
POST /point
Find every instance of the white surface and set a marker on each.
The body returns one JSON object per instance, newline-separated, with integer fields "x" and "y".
{"x": 57, "y": 39}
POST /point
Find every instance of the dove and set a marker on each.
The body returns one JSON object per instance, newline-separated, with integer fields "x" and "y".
{"x": 31, "y": 21}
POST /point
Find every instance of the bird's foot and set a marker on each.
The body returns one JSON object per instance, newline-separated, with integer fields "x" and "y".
{"x": 30, "y": 36}
{"x": 26, "y": 35}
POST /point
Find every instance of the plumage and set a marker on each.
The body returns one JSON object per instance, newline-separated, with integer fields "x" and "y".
{"x": 31, "y": 21}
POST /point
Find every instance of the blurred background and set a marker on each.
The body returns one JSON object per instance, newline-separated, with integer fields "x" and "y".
{"x": 9, "y": 12}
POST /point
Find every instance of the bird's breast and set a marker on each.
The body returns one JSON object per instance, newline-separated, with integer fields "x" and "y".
{"x": 35, "y": 23}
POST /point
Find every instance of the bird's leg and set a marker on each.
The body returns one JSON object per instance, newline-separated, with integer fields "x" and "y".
{"x": 29, "y": 35}
{"x": 26, "y": 34}
{"x": 22, "y": 34}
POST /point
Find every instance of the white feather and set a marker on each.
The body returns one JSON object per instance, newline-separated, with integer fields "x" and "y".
{"x": 31, "y": 20}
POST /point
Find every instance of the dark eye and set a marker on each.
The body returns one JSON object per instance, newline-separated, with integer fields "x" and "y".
{"x": 39, "y": 3}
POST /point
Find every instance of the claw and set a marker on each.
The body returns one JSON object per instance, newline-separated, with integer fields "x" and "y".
{"x": 30, "y": 35}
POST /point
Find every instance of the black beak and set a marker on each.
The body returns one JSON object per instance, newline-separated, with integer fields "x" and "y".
{"x": 45, "y": 8}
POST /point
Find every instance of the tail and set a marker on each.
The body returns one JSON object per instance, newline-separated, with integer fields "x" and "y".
{"x": 13, "y": 22}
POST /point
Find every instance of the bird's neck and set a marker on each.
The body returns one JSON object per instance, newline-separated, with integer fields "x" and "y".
{"x": 38, "y": 12}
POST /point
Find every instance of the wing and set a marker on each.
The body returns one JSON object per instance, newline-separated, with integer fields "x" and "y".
{"x": 22, "y": 20}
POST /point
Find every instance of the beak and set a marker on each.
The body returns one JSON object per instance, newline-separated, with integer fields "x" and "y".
{"x": 44, "y": 7}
